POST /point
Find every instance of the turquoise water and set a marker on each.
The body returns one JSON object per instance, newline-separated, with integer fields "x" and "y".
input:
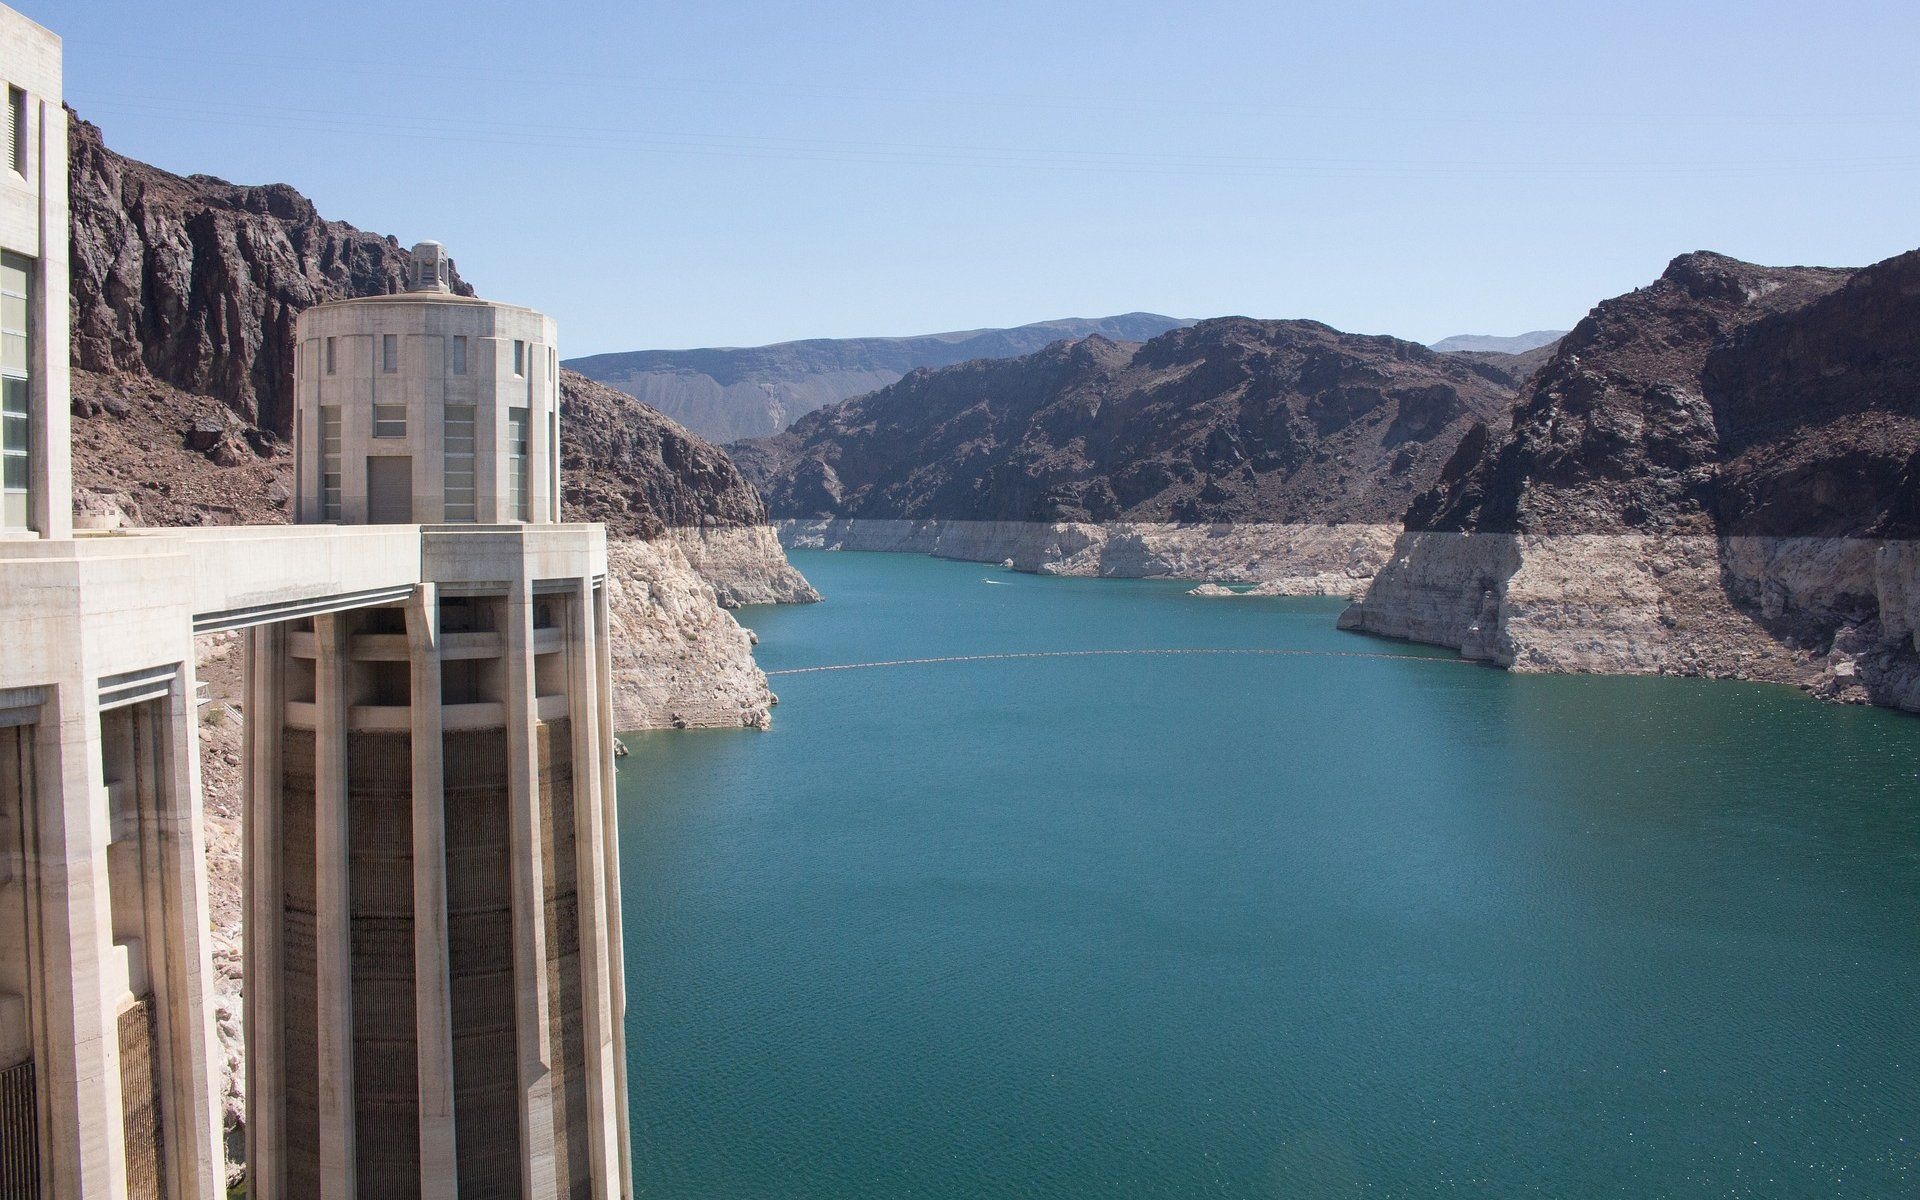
{"x": 1259, "y": 925}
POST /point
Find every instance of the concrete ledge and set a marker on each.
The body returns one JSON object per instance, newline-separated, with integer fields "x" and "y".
{"x": 462, "y": 718}
{"x": 380, "y": 718}
{"x": 378, "y": 647}
{"x": 471, "y": 645}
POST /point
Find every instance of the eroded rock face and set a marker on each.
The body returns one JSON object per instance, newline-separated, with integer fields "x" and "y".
{"x": 680, "y": 661}
{"x": 197, "y": 281}
{"x": 1716, "y": 475}
{"x": 1230, "y": 420}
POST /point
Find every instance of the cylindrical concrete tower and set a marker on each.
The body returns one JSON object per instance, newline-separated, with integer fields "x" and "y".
{"x": 434, "y": 991}
{"x": 426, "y": 408}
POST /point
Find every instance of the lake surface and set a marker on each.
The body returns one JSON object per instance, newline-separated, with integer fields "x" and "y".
{"x": 1281, "y": 924}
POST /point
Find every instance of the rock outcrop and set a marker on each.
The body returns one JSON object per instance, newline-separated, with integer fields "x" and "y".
{"x": 681, "y": 661}
{"x": 726, "y": 394}
{"x": 1716, "y": 475}
{"x": 1308, "y": 440}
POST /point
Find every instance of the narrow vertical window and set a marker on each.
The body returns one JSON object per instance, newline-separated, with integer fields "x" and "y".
{"x": 329, "y": 356}
{"x": 519, "y": 434}
{"x": 457, "y": 477}
{"x": 389, "y": 353}
{"x": 553, "y": 465}
{"x": 330, "y": 462}
{"x": 459, "y": 355}
{"x": 16, "y": 364}
{"x": 519, "y": 358}
{"x": 17, "y": 130}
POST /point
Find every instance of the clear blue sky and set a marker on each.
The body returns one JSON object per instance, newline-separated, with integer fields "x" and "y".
{"x": 721, "y": 173}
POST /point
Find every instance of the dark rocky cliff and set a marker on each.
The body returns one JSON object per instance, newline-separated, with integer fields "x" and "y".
{"x": 1818, "y": 412}
{"x": 628, "y": 466}
{"x": 1717, "y": 474}
{"x": 1227, "y": 420}
{"x": 196, "y": 281}
{"x": 1617, "y": 433}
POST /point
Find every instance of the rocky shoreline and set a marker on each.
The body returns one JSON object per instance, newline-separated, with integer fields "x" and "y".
{"x": 680, "y": 660}
{"x": 1837, "y": 617}
{"x": 1284, "y": 559}
{"x": 745, "y": 564}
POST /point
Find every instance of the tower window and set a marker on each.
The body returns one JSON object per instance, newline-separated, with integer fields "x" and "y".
{"x": 519, "y": 358}
{"x": 17, "y": 130}
{"x": 459, "y": 356}
{"x": 330, "y": 462}
{"x": 389, "y": 353}
{"x": 329, "y": 356}
{"x": 389, "y": 420}
{"x": 457, "y": 464}
{"x": 519, "y": 435}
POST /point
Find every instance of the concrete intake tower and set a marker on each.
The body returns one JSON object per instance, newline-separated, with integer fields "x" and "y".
{"x": 433, "y": 986}
{"x": 432, "y": 891}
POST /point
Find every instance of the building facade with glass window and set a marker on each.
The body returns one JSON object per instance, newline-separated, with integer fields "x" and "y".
{"x": 34, "y": 451}
{"x": 426, "y": 408}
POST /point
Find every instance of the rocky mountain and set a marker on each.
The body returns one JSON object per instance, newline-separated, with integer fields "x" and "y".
{"x": 196, "y": 282}
{"x": 727, "y": 394}
{"x": 1519, "y": 343}
{"x": 1716, "y": 474}
{"x": 1616, "y": 433}
{"x": 1818, "y": 413}
{"x": 1229, "y": 420}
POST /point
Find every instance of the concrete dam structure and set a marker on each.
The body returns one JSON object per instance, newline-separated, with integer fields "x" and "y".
{"x": 434, "y": 998}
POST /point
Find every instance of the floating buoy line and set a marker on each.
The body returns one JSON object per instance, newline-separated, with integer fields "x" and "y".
{"x": 968, "y": 658}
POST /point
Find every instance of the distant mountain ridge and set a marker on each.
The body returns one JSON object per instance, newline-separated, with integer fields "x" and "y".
{"x": 1519, "y": 343}
{"x": 729, "y": 393}
{"x": 1228, "y": 420}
